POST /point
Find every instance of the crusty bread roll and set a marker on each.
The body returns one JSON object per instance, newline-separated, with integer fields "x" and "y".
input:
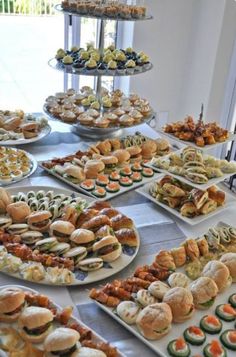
{"x": 18, "y": 211}
{"x": 204, "y": 291}
{"x": 154, "y": 321}
{"x": 219, "y": 272}
{"x": 229, "y": 259}
{"x": 180, "y": 301}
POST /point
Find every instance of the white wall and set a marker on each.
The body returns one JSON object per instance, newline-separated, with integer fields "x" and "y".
{"x": 190, "y": 43}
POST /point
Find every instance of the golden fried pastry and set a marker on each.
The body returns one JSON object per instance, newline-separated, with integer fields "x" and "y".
{"x": 191, "y": 249}
{"x": 189, "y": 210}
{"x": 208, "y": 207}
{"x": 121, "y": 221}
{"x": 104, "y": 147}
{"x": 164, "y": 259}
{"x": 173, "y": 191}
{"x": 179, "y": 256}
{"x": 203, "y": 246}
{"x": 127, "y": 236}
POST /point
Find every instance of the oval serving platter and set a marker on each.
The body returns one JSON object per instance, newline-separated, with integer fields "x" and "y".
{"x": 81, "y": 277}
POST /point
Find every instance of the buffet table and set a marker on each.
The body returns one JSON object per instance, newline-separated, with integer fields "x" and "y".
{"x": 158, "y": 230}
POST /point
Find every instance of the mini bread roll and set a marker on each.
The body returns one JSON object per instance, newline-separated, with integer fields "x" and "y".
{"x": 18, "y": 211}
{"x": 180, "y": 301}
{"x": 229, "y": 259}
{"x": 128, "y": 311}
{"x": 178, "y": 279}
{"x": 158, "y": 289}
{"x": 5, "y": 200}
{"x": 145, "y": 298}
{"x": 218, "y": 272}
{"x": 154, "y": 321}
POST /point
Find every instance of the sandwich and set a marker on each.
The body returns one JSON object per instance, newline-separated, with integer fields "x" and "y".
{"x": 128, "y": 311}
{"x": 46, "y": 244}
{"x": 12, "y": 123}
{"x": 163, "y": 147}
{"x": 62, "y": 230}
{"x": 83, "y": 237}
{"x": 30, "y": 130}
{"x": 135, "y": 153}
{"x": 199, "y": 197}
{"x": 17, "y": 228}
{"x": 229, "y": 259}
{"x": 5, "y": 200}
{"x": 123, "y": 156}
{"x": 154, "y": 321}
{"x": 149, "y": 149}
{"x": 108, "y": 249}
{"x": 189, "y": 210}
{"x": 61, "y": 342}
{"x": 90, "y": 264}
{"x": 35, "y": 323}
{"x": 5, "y": 222}
{"x": 218, "y": 272}
{"x": 18, "y": 211}
{"x": 39, "y": 221}
{"x": 31, "y": 237}
{"x": 180, "y": 301}
{"x": 204, "y": 291}
{"x": 74, "y": 174}
{"x": 76, "y": 253}
{"x": 93, "y": 168}
{"x": 110, "y": 163}
{"x": 12, "y": 301}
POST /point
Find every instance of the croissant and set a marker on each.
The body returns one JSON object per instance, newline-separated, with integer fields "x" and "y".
{"x": 164, "y": 259}
{"x": 179, "y": 256}
{"x": 191, "y": 249}
{"x": 203, "y": 246}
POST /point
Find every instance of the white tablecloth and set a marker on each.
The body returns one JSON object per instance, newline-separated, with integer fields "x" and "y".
{"x": 157, "y": 230}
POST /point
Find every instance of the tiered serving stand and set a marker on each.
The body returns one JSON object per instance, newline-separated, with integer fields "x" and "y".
{"x": 92, "y": 132}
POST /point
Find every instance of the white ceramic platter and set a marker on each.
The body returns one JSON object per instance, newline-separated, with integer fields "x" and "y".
{"x": 160, "y": 347}
{"x": 231, "y": 137}
{"x": 109, "y": 196}
{"x": 83, "y": 278}
{"x": 204, "y": 186}
{"x": 33, "y": 168}
{"x": 96, "y": 337}
{"x": 229, "y": 199}
{"x": 42, "y": 134}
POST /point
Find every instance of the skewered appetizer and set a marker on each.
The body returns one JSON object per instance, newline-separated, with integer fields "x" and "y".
{"x": 191, "y": 164}
{"x": 41, "y": 321}
{"x": 54, "y": 237}
{"x": 16, "y": 125}
{"x": 199, "y": 133}
{"x": 189, "y": 201}
{"x": 108, "y": 9}
{"x": 15, "y": 164}
{"x": 113, "y": 109}
{"x": 111, "y": 62}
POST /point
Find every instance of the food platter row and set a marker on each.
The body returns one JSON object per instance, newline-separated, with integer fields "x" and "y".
{"x": 54, "y": 236}
{"x": 18, "y": 128}
{"x": 187, "y": 203}
{"x": 184, "y": 303}
{"x": 197, "y": 133}
{"x": 107, "y": 10}
{"x": 34, "y": 325}
{"x": 193, "y": 167}
{"x": 110, "y": 167}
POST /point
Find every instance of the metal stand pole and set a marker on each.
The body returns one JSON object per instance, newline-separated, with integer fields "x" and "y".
{"x": 100, "y": 45}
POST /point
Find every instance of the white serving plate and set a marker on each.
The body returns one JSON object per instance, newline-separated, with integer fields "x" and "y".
{"x": 204, "y": 186}
{"x": 84, "y": 278}
{"x": 109, "y": 195}
{"x": 231, "y": 137}
{"x": 177, "y": 330}
{"x": 96, "y": 337}
{"x": 42, "y": 134}
{"x": 34, "y": 166}
{"x": 144, "y": 191}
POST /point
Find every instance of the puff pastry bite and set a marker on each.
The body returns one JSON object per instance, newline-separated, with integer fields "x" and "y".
{"x": 145, "y": 298}
{"x": 179, "y": 256}
{"x": 191, "y": 248}
{"x": 203, "y": 246}
{"x": 164, "y": 259}
{"x": 128, "y": 311}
